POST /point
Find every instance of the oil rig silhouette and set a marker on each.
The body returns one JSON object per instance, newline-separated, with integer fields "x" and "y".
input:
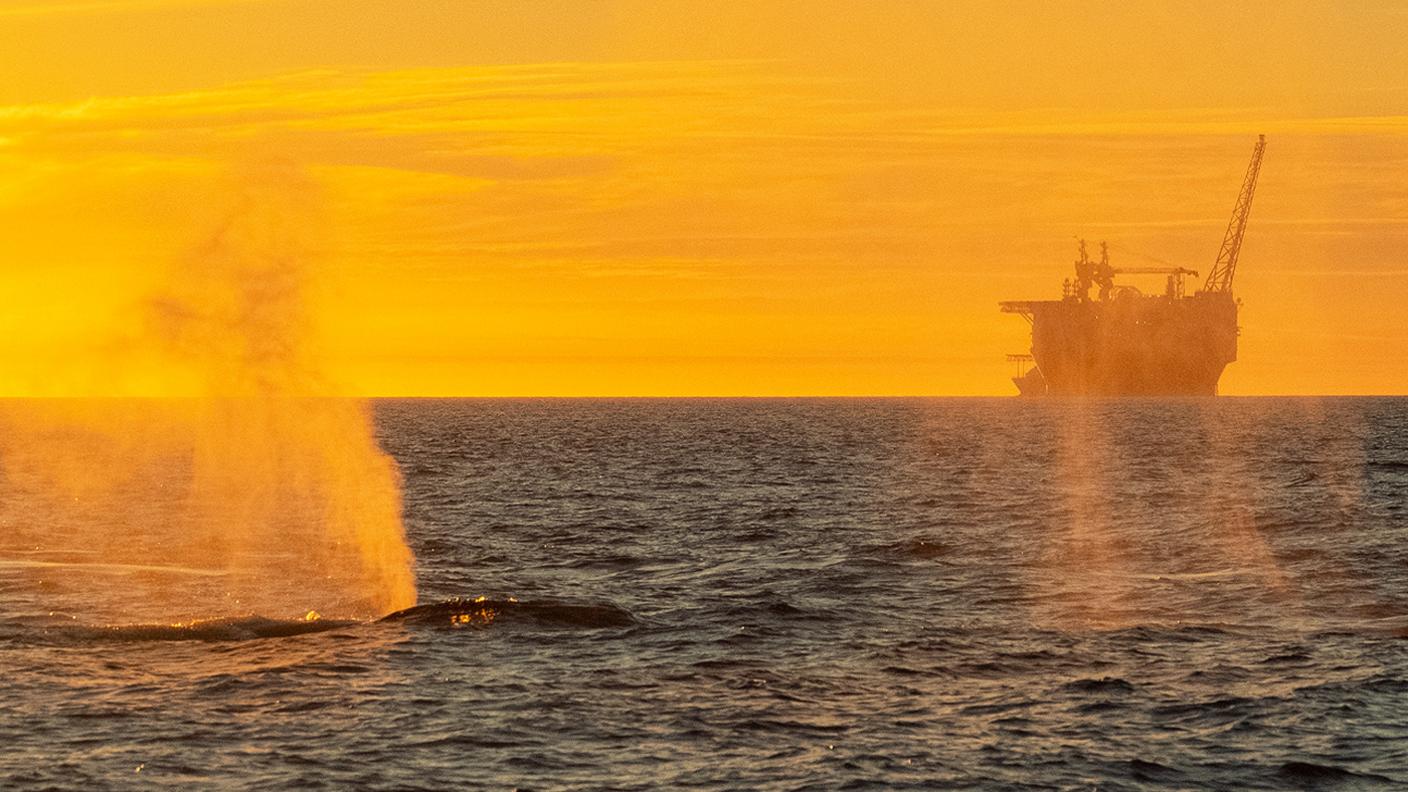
{"x": 1125, "y": 343}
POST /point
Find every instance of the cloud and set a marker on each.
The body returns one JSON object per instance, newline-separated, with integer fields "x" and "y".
{"x": 87, "y": 7}
{"x": 485, "y": 118}
{"x": 733, "y": 205}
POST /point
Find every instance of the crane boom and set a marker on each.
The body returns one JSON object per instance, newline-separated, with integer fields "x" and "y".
{"x": 1155, "y": 271}
{"x": 1220, "y": 279}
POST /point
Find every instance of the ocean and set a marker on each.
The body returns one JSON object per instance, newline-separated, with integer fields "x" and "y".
{"x": 784, "y": 594}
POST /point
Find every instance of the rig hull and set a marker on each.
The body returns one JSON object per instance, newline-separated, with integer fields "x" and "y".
{"x": 1130, "y": 346}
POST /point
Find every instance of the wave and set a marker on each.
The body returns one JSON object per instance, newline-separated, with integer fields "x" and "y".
{"x": 922, "y": 548}
{"x": 91, "y": 566}
{"x": 1318, "y": 774}
{"x": 235, "y": 628}
{"x": 1106, "y": 684}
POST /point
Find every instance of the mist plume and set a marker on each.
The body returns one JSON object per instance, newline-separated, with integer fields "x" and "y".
{"x": 247, "y": 488}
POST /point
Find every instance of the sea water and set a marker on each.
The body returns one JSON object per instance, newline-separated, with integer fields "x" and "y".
{"x": 785, "y": 594}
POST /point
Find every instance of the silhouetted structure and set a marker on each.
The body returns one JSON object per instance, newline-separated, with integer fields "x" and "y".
{"x": 1122, "y": 342}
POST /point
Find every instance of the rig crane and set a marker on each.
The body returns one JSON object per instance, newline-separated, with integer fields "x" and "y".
{"x": 1220, "y": 279}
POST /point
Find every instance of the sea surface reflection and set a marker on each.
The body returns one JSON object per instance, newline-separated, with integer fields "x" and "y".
{"x": 783, "y": 594}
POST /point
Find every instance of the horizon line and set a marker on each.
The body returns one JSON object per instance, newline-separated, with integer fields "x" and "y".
{"x": 685, "y": 397}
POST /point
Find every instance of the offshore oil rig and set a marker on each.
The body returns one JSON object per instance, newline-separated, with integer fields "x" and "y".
{"x": 1125, "y": 343}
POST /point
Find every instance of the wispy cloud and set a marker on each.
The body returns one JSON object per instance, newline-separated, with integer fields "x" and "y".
{"x": 722, "y": 206}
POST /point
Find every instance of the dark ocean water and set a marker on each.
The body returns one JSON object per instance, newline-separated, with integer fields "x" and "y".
{"x": 802, "y": 594}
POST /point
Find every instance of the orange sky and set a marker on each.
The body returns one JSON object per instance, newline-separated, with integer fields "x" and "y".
{"x": 665, "y": 198}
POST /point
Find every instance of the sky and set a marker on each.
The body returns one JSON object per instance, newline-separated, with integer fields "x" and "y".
{"x": 695, "y": 198}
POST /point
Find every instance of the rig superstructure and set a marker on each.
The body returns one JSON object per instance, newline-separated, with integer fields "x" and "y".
{"x": 1125, "y": 343}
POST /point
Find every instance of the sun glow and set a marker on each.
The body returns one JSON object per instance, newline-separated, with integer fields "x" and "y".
{"x": 796, "y": 203}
